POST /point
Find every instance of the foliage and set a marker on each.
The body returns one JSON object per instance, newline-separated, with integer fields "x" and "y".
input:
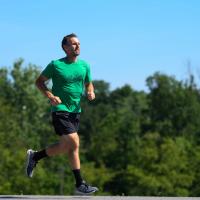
{"x": 132, "y": 142}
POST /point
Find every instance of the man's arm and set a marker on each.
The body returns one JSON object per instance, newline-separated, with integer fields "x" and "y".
{"x": 40, "y": 83}
{"x": 90, "y": 91}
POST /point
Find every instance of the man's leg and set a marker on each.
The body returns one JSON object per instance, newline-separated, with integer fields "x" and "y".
{"x": 72, "y": 141}
{"x": 57, "y": 148}
{"x": 72, "y": 147}
{"x": 68, "y": 144}
{"x": 34, "y": 156}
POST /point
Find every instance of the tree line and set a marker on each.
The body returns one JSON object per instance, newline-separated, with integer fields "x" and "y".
{"x": 132, "y": 142}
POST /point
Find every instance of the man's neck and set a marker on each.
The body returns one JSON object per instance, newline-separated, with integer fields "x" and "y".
{"x": 71, "y": 59}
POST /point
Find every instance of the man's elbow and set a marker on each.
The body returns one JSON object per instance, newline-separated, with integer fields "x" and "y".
{"x": 37, "y": 82}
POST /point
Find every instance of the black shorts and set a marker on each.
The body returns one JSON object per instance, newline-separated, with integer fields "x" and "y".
{"x": 65, "y": 123}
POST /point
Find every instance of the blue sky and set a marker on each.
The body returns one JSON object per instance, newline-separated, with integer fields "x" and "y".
{"x": 125, "y": 41}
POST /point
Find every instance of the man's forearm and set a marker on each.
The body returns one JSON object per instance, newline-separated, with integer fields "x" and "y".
{"x": 90, "y": 91}
{"x": 43, "y": 88}
{"x": 89, "y": 88}
{"x": 40, "y": 83}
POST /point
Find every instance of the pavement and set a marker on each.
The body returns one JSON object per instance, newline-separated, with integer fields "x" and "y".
{"x": 37, "y": 197}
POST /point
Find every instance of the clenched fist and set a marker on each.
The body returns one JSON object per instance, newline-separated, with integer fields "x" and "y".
{"x": 55, "y": 100}
{"x": 91, "y": 96}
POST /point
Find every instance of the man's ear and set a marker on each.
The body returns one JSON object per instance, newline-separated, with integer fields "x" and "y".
{"x": 65, "y": 48}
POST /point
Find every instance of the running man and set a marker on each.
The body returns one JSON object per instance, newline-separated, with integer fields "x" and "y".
{"x": 70, "y": 76}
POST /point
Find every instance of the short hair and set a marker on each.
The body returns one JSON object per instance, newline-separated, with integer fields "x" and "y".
{"x": 65, "y": 39}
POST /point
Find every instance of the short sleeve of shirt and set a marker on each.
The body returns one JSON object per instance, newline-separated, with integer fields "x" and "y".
{"x": 48, "y": 71}
{"x": 88, "y": 77}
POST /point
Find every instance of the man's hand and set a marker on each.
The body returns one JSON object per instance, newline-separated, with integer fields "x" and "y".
{"x": 54, "y": 100}
{"x": 90, "y": 91}
{"x": 91, "y": 95}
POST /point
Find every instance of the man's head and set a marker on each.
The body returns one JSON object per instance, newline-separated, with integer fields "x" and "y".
{"x": 71, "y": 45}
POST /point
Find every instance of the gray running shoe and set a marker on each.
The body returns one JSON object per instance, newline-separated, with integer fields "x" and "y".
{"x": 85, "y": 189}
{"x": 31, "y": 164}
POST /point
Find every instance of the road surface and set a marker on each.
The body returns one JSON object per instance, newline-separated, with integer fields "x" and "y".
{"x": 36, "y": 197}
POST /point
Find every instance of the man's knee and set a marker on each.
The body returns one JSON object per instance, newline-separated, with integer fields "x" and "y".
{"x": 71, "y": 141}
{"x": 74, "y": 145}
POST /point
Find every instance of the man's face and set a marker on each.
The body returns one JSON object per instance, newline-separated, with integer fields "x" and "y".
{"x": 73, "y": 47}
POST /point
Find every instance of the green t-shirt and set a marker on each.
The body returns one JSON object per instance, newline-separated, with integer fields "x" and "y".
{"x": 68, "y": 82}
